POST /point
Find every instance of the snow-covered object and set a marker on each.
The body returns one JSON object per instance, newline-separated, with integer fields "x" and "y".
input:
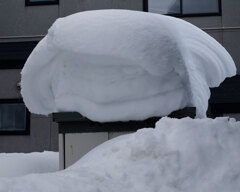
{"x": 119, "y": 65}
{"x": 19, "y": 164}
{"x": 187, "y": 155}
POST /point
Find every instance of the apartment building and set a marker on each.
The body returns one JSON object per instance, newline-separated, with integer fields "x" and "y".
{"x": 23, "y": 23}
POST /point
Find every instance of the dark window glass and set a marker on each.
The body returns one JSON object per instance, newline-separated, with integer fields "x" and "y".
{"x": 164, "y": 6}
{"x": 41, "y": 2}
{"x": 12, "y": 117}
{"x": 200, "y": 6}
{"x": 184, "y": 7}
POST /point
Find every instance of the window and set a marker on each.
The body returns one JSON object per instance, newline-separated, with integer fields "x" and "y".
{"x": 164, "y": 6}
{"x": 41, "y": 2}
{"x": 184, "y": 7}
{"x": 13, "y": 55}
{"x": 14, "y": 117}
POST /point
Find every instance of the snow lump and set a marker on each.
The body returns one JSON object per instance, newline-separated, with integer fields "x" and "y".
{"x": 186, "y": 155}
{"x": 120, "y": 65}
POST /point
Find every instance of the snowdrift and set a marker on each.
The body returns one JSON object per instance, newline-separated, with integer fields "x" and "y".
{"x": 187, "y": 155}
{"x": 19, "y": 164}
{"x": 119, "y": 65}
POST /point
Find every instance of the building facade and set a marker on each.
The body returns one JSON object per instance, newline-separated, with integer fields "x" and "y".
{"x": 23, "y": 23}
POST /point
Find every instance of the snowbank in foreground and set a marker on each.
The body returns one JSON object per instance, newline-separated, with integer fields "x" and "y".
{"x": 119, "y": 65}
{"x": 18, "y": 164}
{"x": 177, "y": 156}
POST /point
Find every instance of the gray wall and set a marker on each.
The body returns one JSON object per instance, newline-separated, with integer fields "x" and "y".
{"x": 43, "y": 136}
{"x": 16, "y": 19}
{"x": 43, "y": 133}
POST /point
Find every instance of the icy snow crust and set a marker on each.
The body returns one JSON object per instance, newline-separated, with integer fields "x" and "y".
{"x": 177, "y": 156}
{"x": 19, "y": 164}
{"x": 119, "y": 65}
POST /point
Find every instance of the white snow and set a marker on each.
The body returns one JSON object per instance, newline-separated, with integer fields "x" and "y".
{"x": 119, "y": 65}
{"x": 186, "y": 155}
{"x": 19, "y": 164}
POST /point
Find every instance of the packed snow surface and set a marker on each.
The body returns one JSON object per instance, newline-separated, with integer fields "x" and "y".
{"x": 119, "y": 65}
{"x": 18, "y": 164}
{"x": 184, "y": 155}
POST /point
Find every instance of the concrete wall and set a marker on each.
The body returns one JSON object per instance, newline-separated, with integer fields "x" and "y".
{"x": 16, "y": 19}
{"x": 43, "y": 132}
{"x": 43, "y": 136}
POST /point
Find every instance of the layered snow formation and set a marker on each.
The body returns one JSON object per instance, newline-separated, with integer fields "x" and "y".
{"x": 119, "y": 65}
{"x": 19, "y": 164}
{"x": 187, "y": 155}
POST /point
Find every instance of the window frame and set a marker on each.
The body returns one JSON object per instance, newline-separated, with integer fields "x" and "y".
{"x": 27, "y": 115}
{"x": 47, "y": 2}
{"x": 145, "y": 9}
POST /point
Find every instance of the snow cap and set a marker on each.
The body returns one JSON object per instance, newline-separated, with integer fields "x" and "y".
{"x": 120, "y": 65}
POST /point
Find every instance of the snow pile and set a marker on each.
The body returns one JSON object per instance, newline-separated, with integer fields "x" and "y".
{"x": 18, "y": 164}
{"x": 177, "y": 156}
{"x": 119, "y": 65}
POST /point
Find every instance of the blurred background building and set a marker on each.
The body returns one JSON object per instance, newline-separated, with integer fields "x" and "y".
{"x": 23, "y": 23}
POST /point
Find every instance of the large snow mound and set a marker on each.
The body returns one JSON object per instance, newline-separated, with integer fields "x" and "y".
{"x": 19, "y": 164}
{"x": 184, "y": 155}
{"x": 119, "y": 65}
